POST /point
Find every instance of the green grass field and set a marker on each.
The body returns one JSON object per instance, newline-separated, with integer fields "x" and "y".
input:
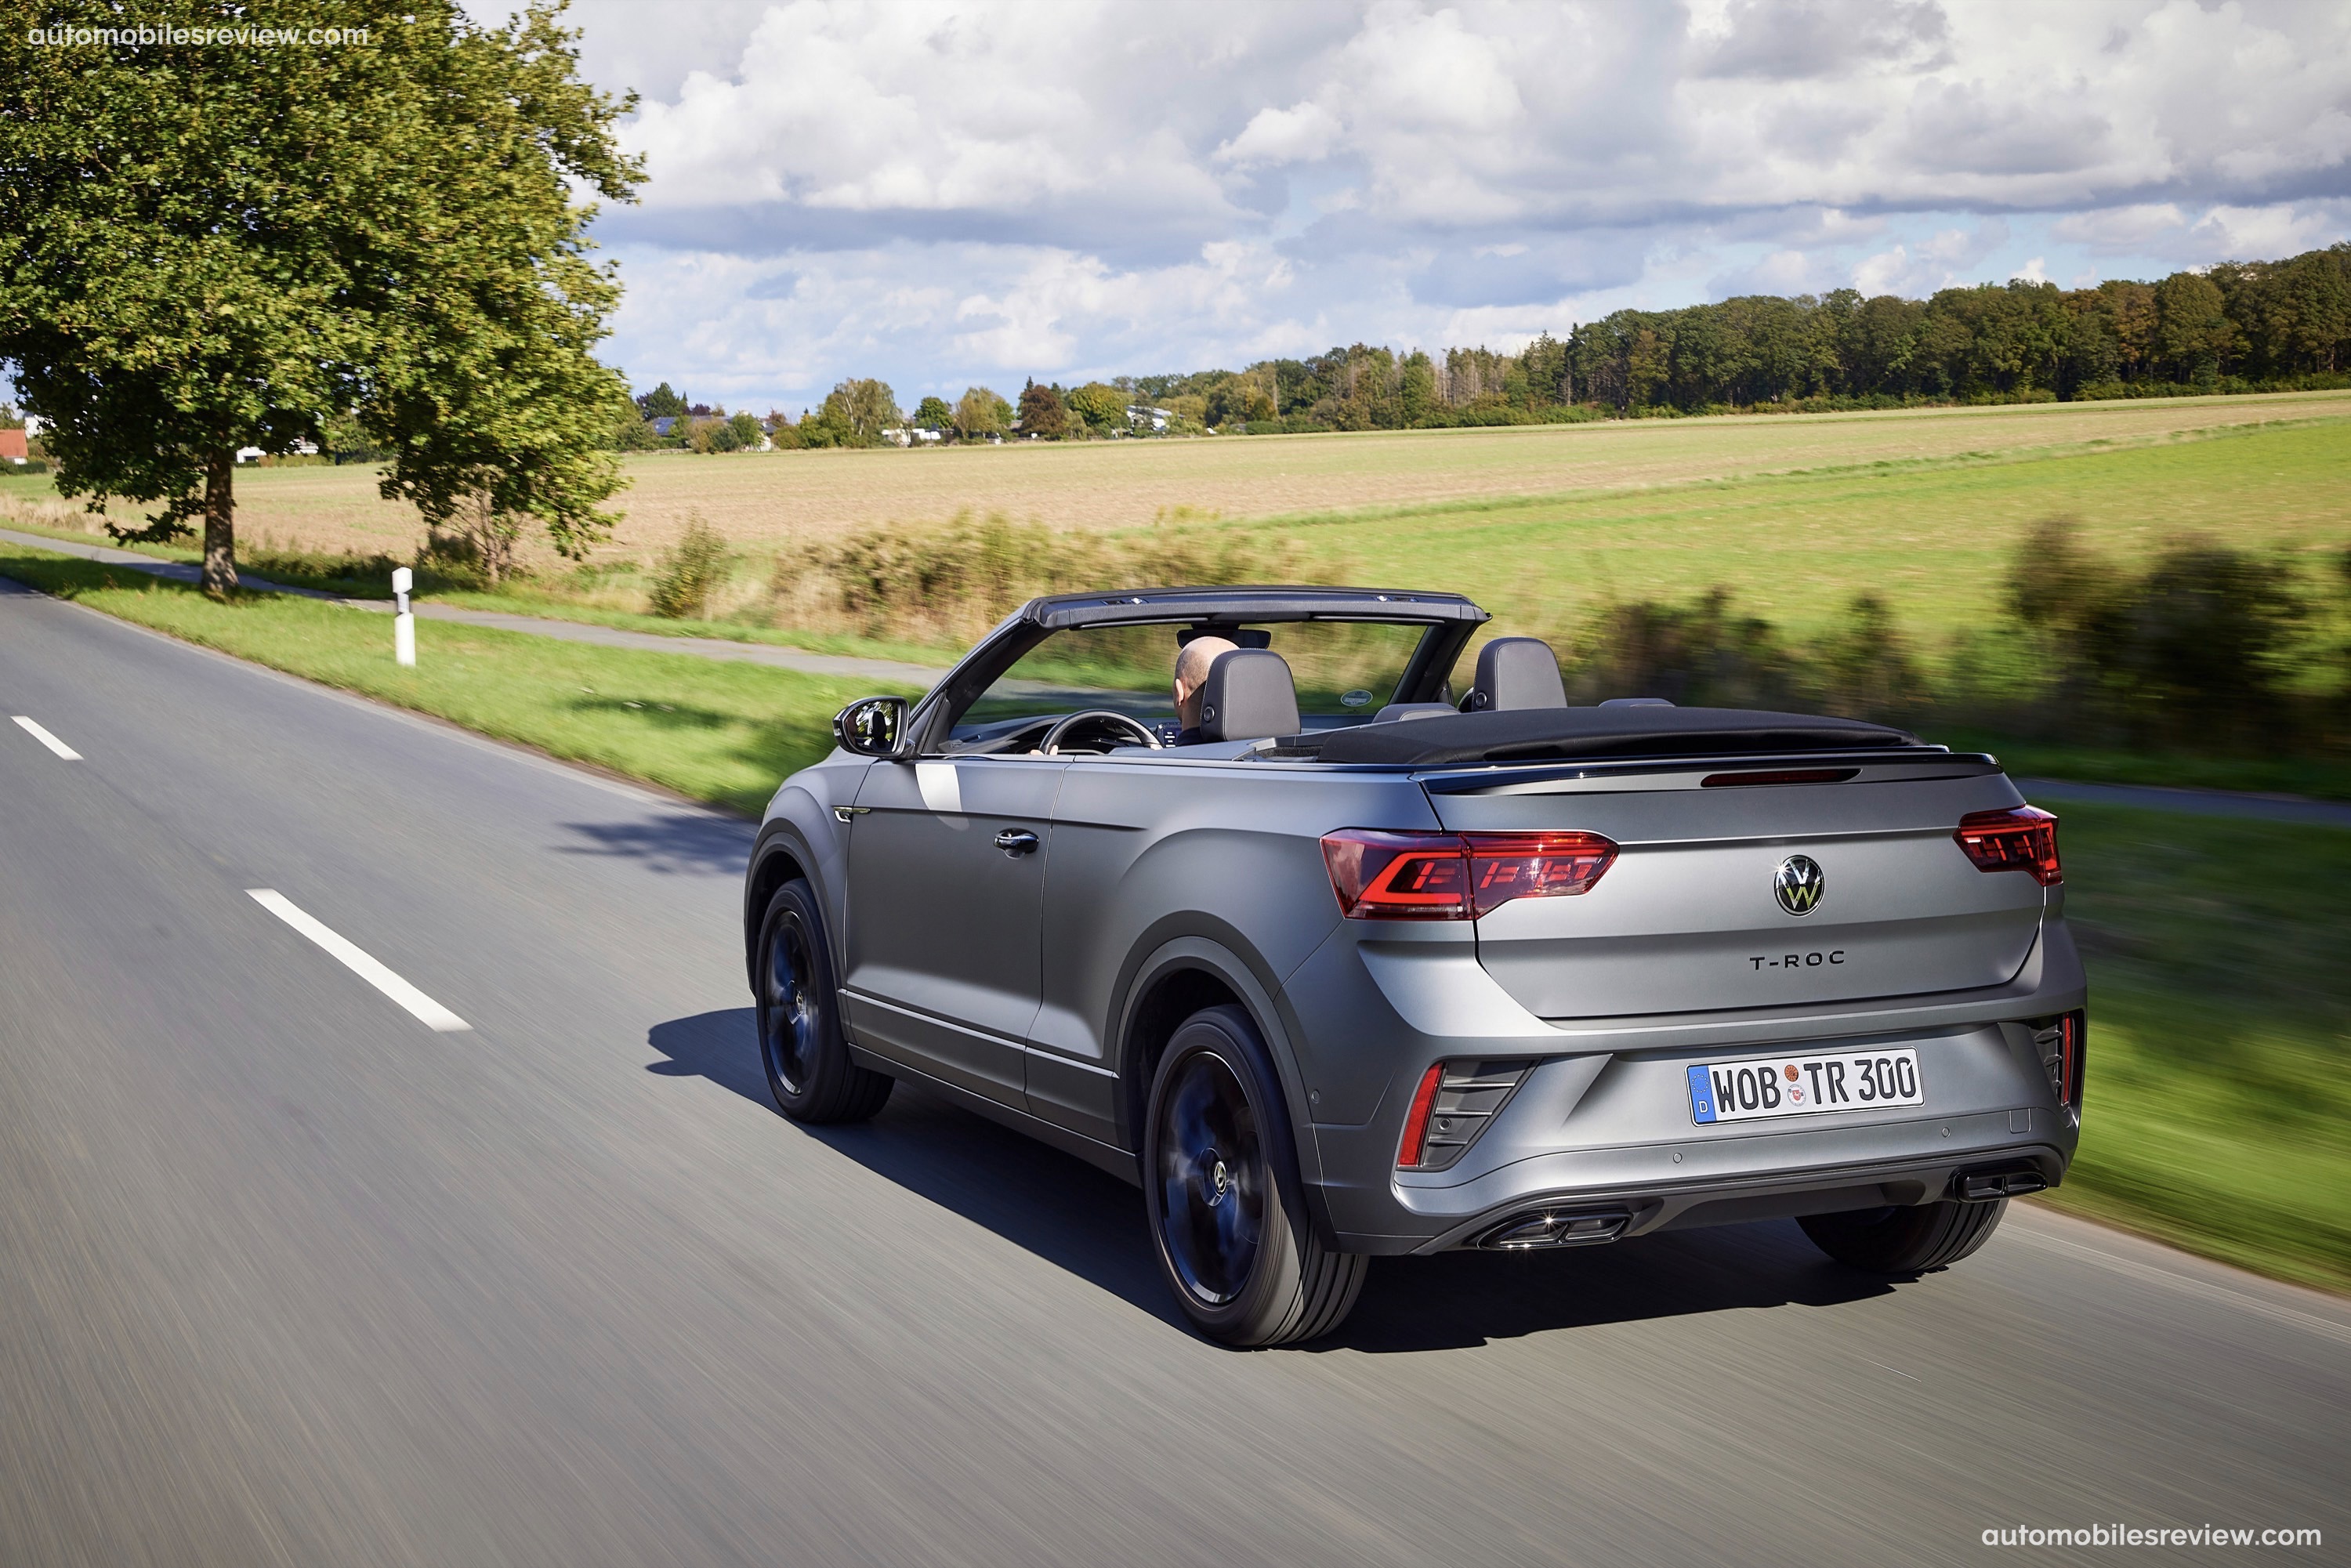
{"x": 1933, "y": 537}
{"x": 2219, "y": 1033}
{"x": 725, "y": 733}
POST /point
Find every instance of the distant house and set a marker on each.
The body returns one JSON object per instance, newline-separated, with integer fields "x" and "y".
{"x": 1142, "y": 413}
{"x": 252, "y": 454}
{"x": 13, "y": 447}
{"x": 662, "y": 425}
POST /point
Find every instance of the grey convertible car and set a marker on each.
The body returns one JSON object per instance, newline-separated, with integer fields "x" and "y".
{"x": 1338, "y": 958}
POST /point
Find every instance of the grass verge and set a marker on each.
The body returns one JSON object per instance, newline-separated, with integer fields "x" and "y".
{"x": 2219, "y": 1025}
{"x": 724, "y": 733}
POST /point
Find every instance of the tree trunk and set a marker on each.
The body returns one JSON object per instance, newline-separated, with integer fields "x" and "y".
{"x": 220, "y": 524}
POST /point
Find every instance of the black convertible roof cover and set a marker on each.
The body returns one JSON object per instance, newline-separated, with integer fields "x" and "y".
{"x": 1544, "y": 735}
{"x": 1236, "y": 605}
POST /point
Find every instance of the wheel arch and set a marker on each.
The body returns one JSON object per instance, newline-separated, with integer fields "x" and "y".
{"x": 777, "y": 857}
{"x": 1177, "y": 979}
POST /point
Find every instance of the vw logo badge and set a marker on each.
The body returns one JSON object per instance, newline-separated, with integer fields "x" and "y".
{"x": 1798, "y": 884}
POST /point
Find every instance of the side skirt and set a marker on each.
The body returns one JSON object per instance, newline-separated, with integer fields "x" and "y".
{"x": 1118, "y": 1162}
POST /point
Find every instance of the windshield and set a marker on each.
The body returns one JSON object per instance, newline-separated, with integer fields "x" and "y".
{"x": 1345, "y": 672}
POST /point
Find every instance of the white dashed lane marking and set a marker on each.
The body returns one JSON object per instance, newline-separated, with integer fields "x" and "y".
{"x": 46, "y": 738}
{"x": 430, "y": 1012}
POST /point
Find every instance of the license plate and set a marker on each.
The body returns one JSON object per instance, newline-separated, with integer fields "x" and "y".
{"x": 1758, "y": 1087}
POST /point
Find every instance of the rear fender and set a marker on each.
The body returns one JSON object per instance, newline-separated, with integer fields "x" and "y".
{"x": 1253, "y": 988}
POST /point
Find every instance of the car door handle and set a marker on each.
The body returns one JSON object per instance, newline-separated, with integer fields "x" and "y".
{"x": 1016, "y": 841}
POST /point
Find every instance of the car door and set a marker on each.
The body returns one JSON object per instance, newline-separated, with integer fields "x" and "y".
{"x": 947, "y": 874}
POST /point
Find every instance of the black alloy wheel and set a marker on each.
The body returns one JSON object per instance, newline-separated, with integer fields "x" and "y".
{"x": 1212, "y": 1179}
{"x": 798, "y": 1013}
{"x": 1227, "y": 1207}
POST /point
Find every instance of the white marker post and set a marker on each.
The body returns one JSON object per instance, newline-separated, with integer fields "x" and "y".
{"x": 404, "y": 624}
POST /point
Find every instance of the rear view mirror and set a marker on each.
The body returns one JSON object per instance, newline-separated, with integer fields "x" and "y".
{"x": 872, "y": 726}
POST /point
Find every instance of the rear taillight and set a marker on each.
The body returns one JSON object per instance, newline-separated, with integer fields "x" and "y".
{"x": 2022, "y": 838}
{"x": 1457, "y": 876}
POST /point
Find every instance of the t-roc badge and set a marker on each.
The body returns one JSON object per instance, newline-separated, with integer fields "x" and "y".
{"x": 1799, "y": 884}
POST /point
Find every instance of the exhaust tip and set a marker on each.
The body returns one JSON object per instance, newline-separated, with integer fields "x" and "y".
{"x": 1986, "y": 1186}
{"x": 1546, "y": 1227}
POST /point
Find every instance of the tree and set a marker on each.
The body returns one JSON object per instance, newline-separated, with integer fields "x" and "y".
{"x": 1102, "y": 406}
{"x": 860, "y": 411}
{"x": 746, "y": 431}
{"x": 661, "y": 404}
{"x": 933, "y": 413}
{"x": 980, "y": 412}
{"x": 1043, "y": 412}
{"x": 206, "y": 248}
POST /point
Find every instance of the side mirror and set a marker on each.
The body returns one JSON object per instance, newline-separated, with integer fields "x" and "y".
{"x": 872, "y": 726}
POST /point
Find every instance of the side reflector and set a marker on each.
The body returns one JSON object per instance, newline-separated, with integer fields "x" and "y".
{"x": 1414, "y": 1141}
{"x": 2023, "y": 838}
{"x": 1457, "y": 876}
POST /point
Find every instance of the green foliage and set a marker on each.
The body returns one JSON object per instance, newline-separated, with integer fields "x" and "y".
{"x": 855, "y": 414}
{"x": 689, "y": 572}
{"x": 2205, "y": 646}
{"x": 980, "y": 412}
{"x": 663, "y": 403}
{"x": 933, "y": 413}
{"x": 208, "y": 248}
{"x": 2237, "y": 327}
{"x": 1043, "y": 414}
{"x": 2240, "y": 324}
{"x": 1102, "y": 406}
{"x": 948, "y": 584}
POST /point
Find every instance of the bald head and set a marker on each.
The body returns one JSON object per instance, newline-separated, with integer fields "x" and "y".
{"x": 1192, "y": 661}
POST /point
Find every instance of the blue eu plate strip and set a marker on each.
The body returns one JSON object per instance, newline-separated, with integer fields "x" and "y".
{"x": 1701, "y": 1096}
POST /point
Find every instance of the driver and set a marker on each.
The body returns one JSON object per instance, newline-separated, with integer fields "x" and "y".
{"x": 1192, "y": 661}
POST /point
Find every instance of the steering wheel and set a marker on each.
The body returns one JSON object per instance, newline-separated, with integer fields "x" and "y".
{"x": 1144, "y": 734}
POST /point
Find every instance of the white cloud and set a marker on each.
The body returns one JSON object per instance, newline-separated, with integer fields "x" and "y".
{"x": 957, "y": 186}
{"x": 2132, "y": 227}
{"x": 1296, "y": 135}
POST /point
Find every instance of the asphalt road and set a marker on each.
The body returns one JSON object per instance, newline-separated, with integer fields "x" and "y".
{"x": 286, "y": 1276}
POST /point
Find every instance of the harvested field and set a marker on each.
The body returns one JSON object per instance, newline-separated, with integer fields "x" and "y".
{"x": 765, "y": 499}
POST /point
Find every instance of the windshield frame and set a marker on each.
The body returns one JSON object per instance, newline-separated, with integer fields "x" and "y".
{"x": 1446, "y": 622}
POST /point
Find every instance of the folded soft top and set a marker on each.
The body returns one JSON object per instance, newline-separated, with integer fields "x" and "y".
{"x": 1535, "y": 735}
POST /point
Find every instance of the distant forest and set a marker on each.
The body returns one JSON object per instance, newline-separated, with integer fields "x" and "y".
{"x": 2236, "y": 326}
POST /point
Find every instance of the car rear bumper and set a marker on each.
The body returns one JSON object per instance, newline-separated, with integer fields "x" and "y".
{"x": 1602, "y": 1126}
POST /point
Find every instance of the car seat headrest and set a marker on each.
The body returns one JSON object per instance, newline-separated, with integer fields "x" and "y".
{"x": 1516, "y": 673}
{"x": 1249, "y": 696}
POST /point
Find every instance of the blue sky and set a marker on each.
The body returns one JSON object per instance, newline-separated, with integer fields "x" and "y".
{"x": 941, "y": 193}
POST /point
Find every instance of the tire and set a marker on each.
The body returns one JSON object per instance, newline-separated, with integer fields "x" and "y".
{"x": 1229, "y": 1221}
{"x": 1908, "y": 1241}
{"x": 798, "y": 1010}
